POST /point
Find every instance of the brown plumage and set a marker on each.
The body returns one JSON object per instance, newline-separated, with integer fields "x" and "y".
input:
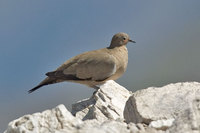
{"x": 94, "y": 67}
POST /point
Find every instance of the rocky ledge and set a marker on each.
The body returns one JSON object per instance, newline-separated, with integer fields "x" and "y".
{"x": 174, "y": 108}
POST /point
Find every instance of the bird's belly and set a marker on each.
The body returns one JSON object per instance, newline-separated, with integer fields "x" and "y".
{"x": 118, "y": 74}
{"x": 93, "y": 83}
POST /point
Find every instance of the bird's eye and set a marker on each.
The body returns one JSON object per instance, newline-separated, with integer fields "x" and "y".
{"x": 124, "y": 38}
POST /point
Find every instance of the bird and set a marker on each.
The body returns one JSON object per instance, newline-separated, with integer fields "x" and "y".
{"x": 93, "y": 68}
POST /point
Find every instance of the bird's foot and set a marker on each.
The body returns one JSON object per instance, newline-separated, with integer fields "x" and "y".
{"x": 96, "y": 88}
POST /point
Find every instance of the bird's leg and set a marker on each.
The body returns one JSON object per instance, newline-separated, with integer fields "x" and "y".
{"x": 95, "y": 87}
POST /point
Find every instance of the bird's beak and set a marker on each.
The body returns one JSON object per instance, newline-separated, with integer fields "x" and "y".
{"x": 132, "y": 41}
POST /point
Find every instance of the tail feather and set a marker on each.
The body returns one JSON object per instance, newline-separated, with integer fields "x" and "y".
{"x": 55, "y": 77}
{"x": 46, "y": 81}
{"x": 35, "y": 88}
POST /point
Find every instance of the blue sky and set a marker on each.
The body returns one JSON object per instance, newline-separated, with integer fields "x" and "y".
{"x": 37, "y": 36}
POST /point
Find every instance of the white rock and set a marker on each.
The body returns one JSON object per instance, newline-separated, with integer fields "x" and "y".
{"x": 49, "y": 121}
{"x": 107, "y": 103}
{"x": 188, "y": 121}
{"x": 166, "y": 102}
{"x": 153, "y": 110}
{"x": 109, "y": 126}
{"x": 162, "y": 124}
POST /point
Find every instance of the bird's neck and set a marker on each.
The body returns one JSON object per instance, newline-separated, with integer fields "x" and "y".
{"x": 113, "y": 46}
{"x": 119, "y": 52}
{"x": 118, "y": 48}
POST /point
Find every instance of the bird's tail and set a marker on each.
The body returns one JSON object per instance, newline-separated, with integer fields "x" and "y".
{"x": 46, "y": 81}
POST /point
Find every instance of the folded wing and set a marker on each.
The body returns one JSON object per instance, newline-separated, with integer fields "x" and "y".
{"x": 92, "y": 66}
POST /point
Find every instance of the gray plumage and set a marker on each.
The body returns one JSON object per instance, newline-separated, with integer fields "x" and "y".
{"x": 94, "y": 67}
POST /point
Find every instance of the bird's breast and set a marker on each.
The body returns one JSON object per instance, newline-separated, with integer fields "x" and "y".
{"x": 121, "y": 56}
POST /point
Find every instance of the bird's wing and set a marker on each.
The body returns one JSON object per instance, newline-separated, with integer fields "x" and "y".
{"x": 92, "y": 65}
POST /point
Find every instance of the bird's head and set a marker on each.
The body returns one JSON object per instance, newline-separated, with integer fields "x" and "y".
{"x": 120, "y": 39}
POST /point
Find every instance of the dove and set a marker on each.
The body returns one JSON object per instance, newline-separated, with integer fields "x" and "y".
{"x": 93, "y": 68}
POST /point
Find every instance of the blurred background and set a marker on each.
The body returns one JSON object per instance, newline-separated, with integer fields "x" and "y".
{"x": 37, "y": 36}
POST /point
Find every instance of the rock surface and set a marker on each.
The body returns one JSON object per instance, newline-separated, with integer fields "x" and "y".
{"x": 47, "y": 121}
{"x": 174, "y": 108}
{"x": 166, "y": 102}
{"x": 188, "y": 121}
{"x": 107, "y": 103}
